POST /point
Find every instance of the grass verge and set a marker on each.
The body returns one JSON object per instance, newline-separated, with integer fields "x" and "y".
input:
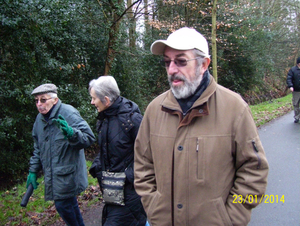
{"x": 269, "y": 110}
{"x": 38, "y": 211}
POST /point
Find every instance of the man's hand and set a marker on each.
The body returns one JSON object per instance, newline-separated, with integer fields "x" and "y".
{"x": 292, "y": 89}
{"x": 62, "y": 124}
{"x": 31, "y": 179}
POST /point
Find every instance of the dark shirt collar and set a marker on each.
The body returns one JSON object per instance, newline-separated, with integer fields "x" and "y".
{"x": 47, "y": 115}
{"x": 187, "y": 103}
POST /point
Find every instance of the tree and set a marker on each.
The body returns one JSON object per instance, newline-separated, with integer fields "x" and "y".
{"x": 213, "y": 40}
{"x": 41, "y": 41}
{"x": 115, "y": 11}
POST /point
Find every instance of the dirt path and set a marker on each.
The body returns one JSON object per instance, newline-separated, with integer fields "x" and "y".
{"x": 92, "y": 215}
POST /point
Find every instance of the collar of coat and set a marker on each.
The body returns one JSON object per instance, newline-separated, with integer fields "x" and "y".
{"x": 52, "y": 112}
{"x": 120, "y": 106}
{"x": 200, "y": 107}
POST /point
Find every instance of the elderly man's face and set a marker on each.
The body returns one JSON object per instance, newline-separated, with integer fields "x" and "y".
{"x": 44, "y": 103}
{"x": 183, "y": 80}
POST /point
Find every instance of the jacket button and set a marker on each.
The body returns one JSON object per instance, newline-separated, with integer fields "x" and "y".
{"x": 180, "y": 148}
{"x": 201, "y": 111}
{"x": 179, "y": 206}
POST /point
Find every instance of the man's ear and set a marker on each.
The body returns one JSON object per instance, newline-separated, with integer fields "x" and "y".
{"x": 55, "y": 100}
{"x": 206, "y": 63}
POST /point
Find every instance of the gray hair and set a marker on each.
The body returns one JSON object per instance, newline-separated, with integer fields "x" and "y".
{"x": 198, "y": 53}
{"x": 52, "y": 95}
{"x": 105, "y": 85}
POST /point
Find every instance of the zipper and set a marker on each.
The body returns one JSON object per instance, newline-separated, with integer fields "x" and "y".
{"x": 256, "y": 153}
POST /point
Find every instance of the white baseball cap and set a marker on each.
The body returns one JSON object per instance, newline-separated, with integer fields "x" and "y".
{"x": 183, "y": 39}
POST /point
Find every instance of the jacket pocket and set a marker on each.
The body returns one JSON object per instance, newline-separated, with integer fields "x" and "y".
{"x": 256, "y": 153}
{"x": 208, "y": 155}
{"x": 200, "y": 159}
{"x": 153, "y": 204}
{"x": 197, "y": 159}
{"x": 60, "y": 145}
{"x": 64, "y": 180}
{"x": 220, "y": 207}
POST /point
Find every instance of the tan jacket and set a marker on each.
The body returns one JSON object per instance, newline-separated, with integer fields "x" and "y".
{"x": 190, "y": 170}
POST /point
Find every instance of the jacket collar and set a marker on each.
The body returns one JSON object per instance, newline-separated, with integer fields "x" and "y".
{"x": 187, "y": 103}
{"x": 55, "y": 109}
{"x": 120, "y": 106}
{"x": 53, "y": 113}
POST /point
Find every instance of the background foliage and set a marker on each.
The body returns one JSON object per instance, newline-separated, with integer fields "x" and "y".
{"x": 69, "y": 43}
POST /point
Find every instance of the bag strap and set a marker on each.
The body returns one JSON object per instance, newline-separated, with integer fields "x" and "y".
{"x": 102, "y": 156}
{"x": 102, "y": 161}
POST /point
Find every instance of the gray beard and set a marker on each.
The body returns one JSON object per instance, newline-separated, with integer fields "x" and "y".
{"x": 188, "y": 88}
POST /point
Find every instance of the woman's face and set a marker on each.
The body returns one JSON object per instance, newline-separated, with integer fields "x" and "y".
{"x": 97, "y": 102}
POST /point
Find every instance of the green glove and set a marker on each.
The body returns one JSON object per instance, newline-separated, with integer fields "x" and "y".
{"x": 31, "y": 179}
{"x": 62, "y": 124}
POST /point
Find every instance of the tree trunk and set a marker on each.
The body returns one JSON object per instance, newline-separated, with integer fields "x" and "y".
{"x": 132, "y": 25}
{"x": 214, "y": 41}
{"x": 113, "y": 37}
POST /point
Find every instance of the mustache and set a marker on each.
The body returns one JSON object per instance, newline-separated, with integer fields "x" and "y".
{"x": 177, "y": 77}
{"x": 41, "y": 108}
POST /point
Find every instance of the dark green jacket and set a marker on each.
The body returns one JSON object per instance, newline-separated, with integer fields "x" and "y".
{"x": 62, "y": 160}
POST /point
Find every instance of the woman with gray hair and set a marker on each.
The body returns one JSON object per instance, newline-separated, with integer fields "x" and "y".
{"x": 117, "y": 126}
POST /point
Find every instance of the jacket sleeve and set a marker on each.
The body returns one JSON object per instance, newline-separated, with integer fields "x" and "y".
{"x": 35, "y": 162}
{"x": 136, "y": 119}
{"x": 83, "y": 136}
{"x": 96, "y": 170}
{"x": 289, "y": 79}
{"x": 144, "y": 175}
{"x": 251, "y": 171}
{"x": 96, "y": 166}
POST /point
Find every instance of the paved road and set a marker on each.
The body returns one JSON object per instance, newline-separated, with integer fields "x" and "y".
{"x": 281, "y": 141}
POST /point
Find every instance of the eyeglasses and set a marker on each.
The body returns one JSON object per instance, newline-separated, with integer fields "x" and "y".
{"x": 41, "y": 100}
{"x": 178, "y": 62}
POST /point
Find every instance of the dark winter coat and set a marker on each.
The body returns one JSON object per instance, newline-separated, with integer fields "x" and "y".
{"x": 293, "y": 78}
{"x": 62, "y": 160}
{"x": 117, "y": 129}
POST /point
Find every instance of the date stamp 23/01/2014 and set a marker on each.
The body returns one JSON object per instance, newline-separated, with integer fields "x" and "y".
{"x": 255, "y": 199}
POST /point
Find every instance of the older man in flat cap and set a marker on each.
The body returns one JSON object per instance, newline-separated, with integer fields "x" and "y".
{"x": 60, "y": 135}
{"x": 198, "y": 156}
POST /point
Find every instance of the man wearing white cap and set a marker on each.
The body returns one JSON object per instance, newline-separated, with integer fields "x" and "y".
{"x": 198, "y": 156}
{"x": 60, "y": 135}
